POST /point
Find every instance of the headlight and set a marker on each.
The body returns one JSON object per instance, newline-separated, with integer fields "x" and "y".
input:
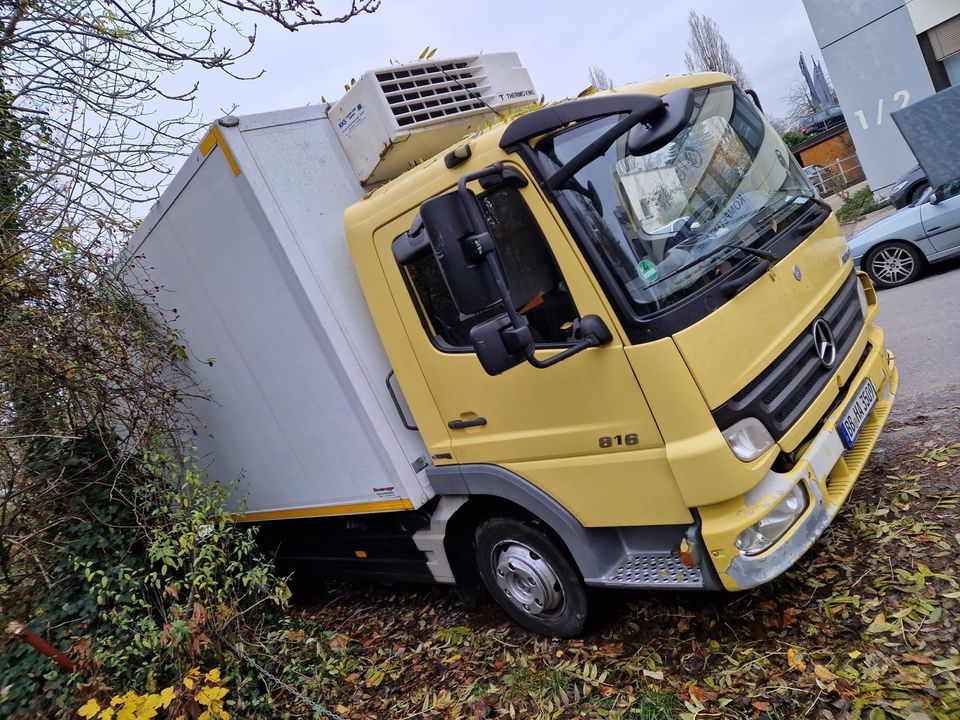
{"x": 748, "y": 438}
{"x": 898, "y": 186}
{"x": 862, "y": 297}
{"x": 772, "y": 526}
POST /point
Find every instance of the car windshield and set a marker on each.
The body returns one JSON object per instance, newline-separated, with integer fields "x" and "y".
{"x": 670, "y": 222}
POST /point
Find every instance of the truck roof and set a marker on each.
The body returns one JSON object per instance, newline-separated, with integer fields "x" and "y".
{"x": 398, "y": 191}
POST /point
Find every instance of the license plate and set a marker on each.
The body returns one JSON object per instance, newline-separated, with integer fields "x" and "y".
{"x": 857, "y": 412}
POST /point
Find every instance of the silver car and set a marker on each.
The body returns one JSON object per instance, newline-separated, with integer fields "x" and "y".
{"x": 895, "y": 250}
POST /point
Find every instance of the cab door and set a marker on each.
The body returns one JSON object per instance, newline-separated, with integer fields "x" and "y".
{"x": 580, "y": 429}
{"x": 941, "y": 222}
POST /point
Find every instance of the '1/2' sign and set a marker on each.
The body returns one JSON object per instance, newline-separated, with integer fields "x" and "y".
{"x": 901, "y": 96}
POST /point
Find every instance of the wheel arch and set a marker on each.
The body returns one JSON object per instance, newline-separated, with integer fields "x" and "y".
{"x": 491, "y": 491}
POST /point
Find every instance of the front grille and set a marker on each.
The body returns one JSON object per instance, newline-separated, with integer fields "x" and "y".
{"x": 785, "y": 389}
{"x": 420, "y": 93}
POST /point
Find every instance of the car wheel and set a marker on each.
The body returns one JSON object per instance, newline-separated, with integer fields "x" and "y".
{"x": 917, "y": 192}
{"x": 531, "y": 577}
{"x": 894, "y": 263}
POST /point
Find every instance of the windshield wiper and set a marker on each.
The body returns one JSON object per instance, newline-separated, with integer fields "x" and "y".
{"x": 733, "y": 286}
{"x": 765, "y": 254}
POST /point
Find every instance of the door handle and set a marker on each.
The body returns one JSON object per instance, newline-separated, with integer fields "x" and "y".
{"x": 460, "y": 424}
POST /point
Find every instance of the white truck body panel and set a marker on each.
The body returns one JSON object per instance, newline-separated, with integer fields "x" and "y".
{"x": 258, "y": 270}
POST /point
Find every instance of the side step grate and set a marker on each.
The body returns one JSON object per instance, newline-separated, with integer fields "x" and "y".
{"x": 655, "y": 571}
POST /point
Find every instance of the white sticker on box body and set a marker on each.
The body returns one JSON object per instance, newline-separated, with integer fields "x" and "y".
{"x": 349, "y": 123}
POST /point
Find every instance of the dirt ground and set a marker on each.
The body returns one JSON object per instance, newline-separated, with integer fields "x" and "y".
{"x": 865, "y": 626}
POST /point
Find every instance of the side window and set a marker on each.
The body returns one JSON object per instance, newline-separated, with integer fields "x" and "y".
{"x": 535, "y": 282}
{"x": 951, "y": 189}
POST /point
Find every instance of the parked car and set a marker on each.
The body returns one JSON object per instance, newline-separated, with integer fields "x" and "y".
{"x": 895, "y": 250}
{"x": 823, "y": 120}
{"x": 816, "y": 172}
{"x": 908, "y": 189}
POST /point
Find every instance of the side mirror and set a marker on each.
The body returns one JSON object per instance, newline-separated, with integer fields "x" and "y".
{"x": 935, "y": 197}
{"x": 501, "y": 345}
{"x": 453, "y": 228}
{"x": 657, "y": 129}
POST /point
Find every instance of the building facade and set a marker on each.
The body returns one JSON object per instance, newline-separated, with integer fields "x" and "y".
{"x": 883, "y": 55}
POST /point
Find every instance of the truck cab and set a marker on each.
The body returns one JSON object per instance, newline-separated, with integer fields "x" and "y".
{"x": 616, "y": 341}
{"x": 634, "y": 344}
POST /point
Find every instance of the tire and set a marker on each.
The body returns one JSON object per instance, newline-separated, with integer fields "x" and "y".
{"x": 531, "y": 577}
{"x": 917, "y": 192}
{"x": 893, "y": 263}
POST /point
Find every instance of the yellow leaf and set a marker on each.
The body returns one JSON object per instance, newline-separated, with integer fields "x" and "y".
{"x": 188, "y": 683}
{"x": 210, "y": 695}
{"x": 854, "y": 654}
{"x": 795, "y": 660}
{"x": 89, "y": 709}
{"x": 823, "y": 673}
{"x": 106, "y": 714}
{"x": 166, "y": 697}
{"x": 213, "y": 676}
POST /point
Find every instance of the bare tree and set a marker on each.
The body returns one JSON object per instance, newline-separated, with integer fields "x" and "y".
{"x": 709, "y": 51}
{"x": 599, "y": 78}
{"x": 798, "y": 103}
{"x": 83, "y": 145}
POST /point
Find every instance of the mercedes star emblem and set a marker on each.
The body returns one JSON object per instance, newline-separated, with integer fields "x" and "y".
{"x": 824, "y": 344}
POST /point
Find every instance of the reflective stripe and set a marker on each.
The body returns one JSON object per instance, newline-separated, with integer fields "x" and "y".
{"x": 215, "y": 138}
{"x": 349, "y": 509}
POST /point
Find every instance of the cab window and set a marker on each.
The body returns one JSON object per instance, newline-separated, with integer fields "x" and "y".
{"x": 536, "y": 285}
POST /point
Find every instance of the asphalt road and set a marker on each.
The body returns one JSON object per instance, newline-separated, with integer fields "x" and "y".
{"x": 922, "y": 321}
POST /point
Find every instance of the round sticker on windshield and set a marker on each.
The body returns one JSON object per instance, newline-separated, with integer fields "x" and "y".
{"x": 647, "y": 270}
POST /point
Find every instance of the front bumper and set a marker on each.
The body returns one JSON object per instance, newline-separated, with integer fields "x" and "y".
{"x": 827, "y": 469}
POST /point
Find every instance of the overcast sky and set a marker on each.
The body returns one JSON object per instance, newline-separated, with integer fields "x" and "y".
{"x": 557, "y": 40}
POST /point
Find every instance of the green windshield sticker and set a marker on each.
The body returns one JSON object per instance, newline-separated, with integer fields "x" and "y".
{"x": 647, "y": 270}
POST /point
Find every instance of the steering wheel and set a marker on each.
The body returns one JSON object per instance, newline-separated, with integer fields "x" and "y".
{"x": 705, "y": 211}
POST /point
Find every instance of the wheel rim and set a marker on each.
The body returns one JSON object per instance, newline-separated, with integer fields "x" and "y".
{"x": 893, "y": 264}
{"x": 527, "y": 579}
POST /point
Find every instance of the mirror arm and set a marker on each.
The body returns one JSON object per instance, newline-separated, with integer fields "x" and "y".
{"x": 594, "y": 150}
{"x": 584, "y": 344}
{"x": 469, "y": 200}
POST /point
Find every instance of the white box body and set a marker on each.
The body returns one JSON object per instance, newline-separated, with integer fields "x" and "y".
{"x": 258, "y": 270}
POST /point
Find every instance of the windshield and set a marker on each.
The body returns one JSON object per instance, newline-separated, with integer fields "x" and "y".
{"x": 670, "y": 222}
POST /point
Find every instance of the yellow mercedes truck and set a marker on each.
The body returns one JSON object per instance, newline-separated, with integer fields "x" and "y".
{"x": 616, "y": 341}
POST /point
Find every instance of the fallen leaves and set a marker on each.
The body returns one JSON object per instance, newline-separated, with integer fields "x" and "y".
{"x": 866, "y": 626}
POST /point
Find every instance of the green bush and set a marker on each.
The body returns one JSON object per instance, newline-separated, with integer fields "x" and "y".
{"x": 861, "y": 203}
{"x": 153, "y": 578}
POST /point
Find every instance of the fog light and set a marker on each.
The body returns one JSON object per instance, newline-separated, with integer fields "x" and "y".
{"x": 772, "y": 526}
{"x": 748, "y": 438}
{"x": 862, "y": 297}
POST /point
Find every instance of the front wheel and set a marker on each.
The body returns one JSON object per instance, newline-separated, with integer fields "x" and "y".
{"x": 917, "y": 192}
{"x": 895, "y": 263}
{"x": 531, "y": 577}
